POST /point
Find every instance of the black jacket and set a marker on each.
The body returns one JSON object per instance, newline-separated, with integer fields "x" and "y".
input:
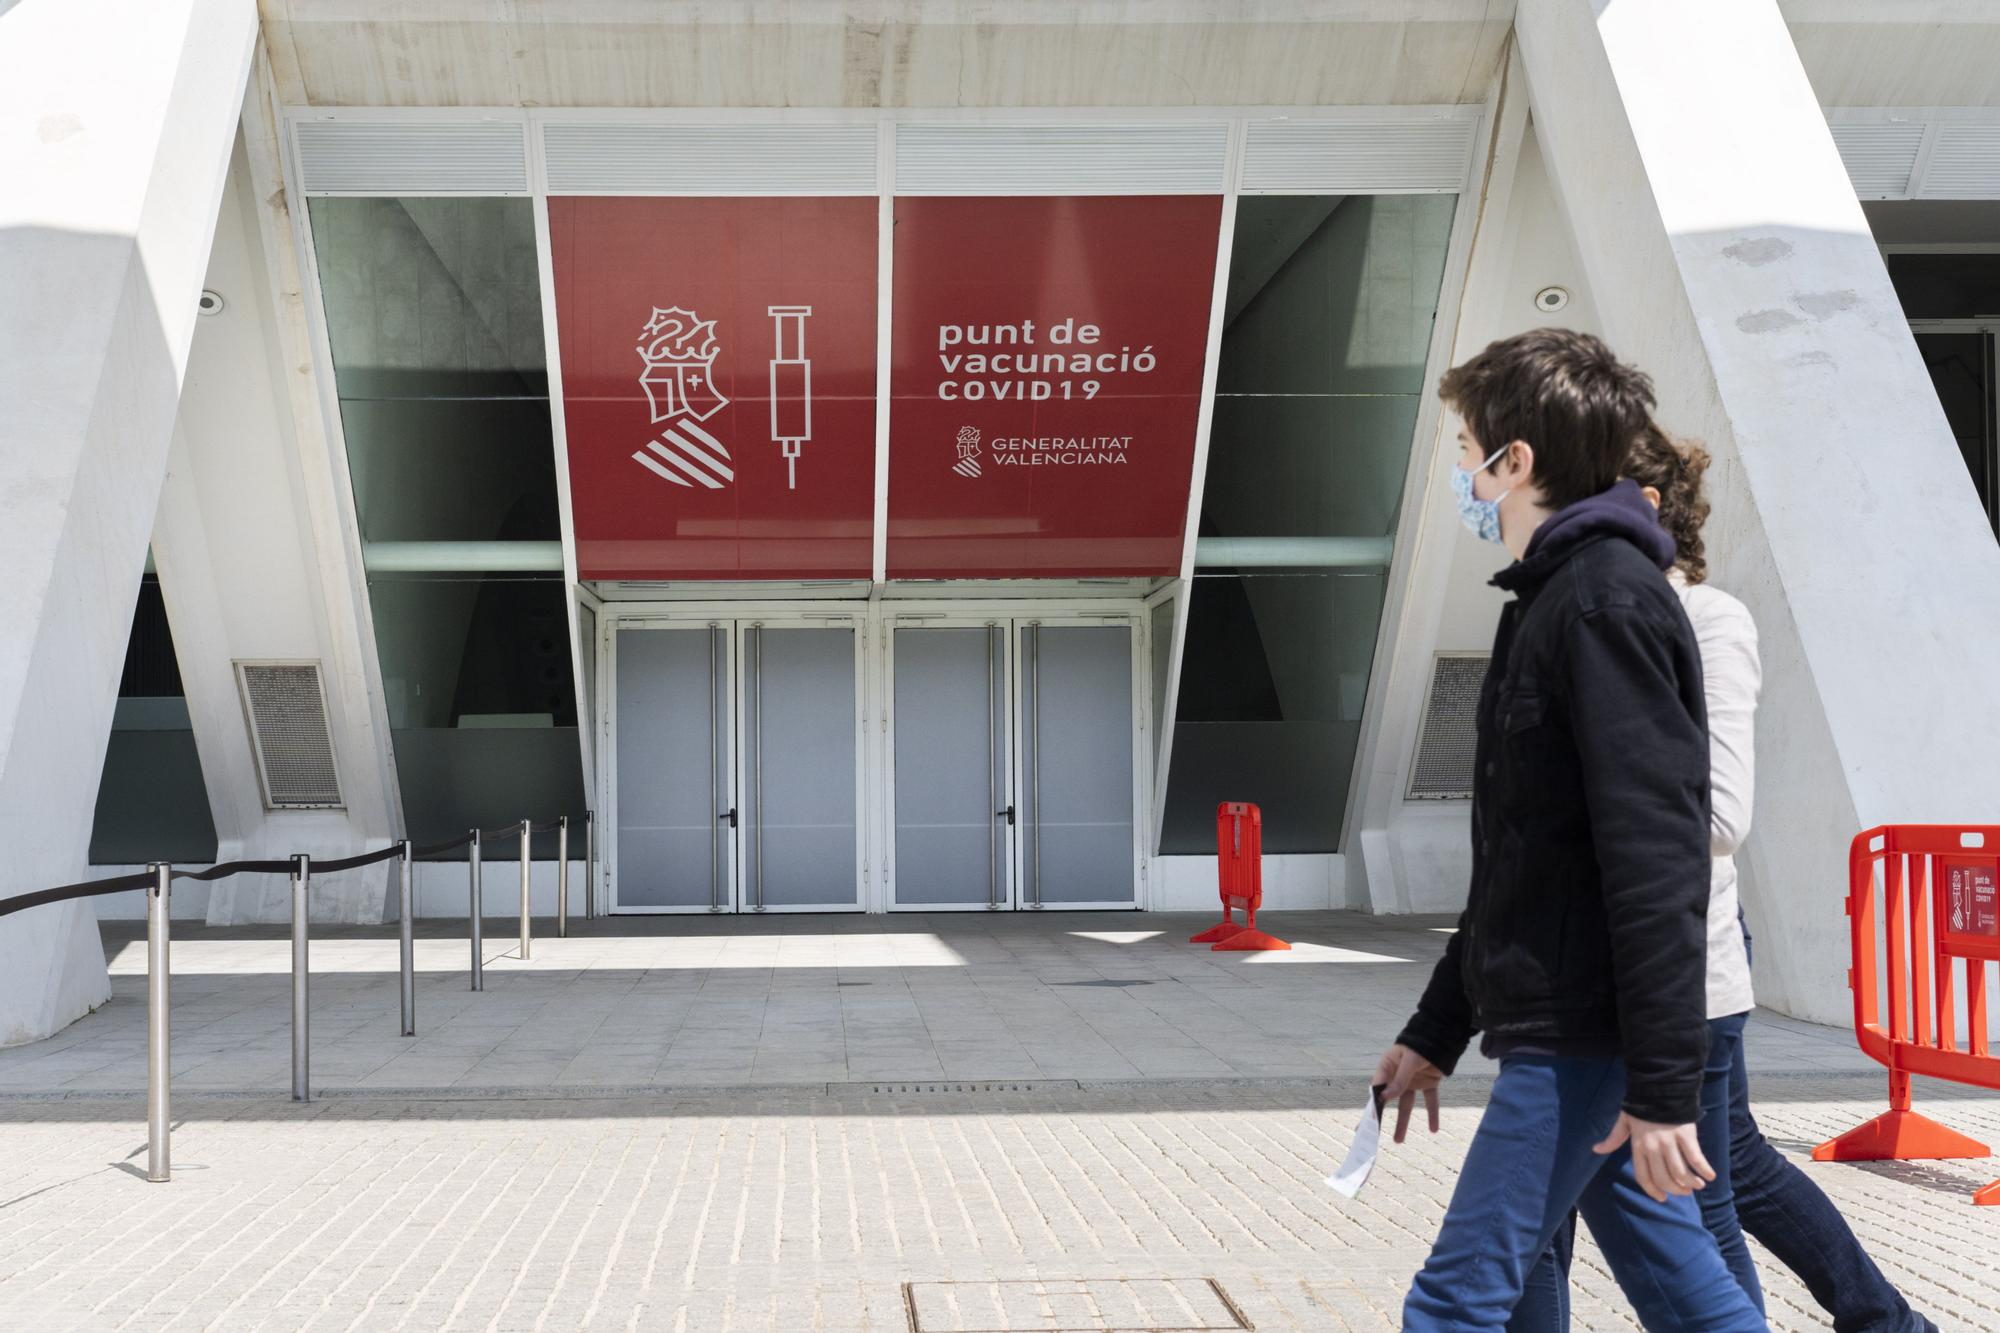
{"x": 1587, "y": 920}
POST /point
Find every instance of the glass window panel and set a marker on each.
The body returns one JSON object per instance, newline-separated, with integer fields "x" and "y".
{"x": 1274, "y": 674}
{"x": 1961, "y": 368}
{"x": 152, "y": 804}
{"x": 1323, "y": 374}
{"x": 434, "y": 316}
{"x": 482, "y": 706}
{"x": 1324, "y": 340}
{"x": 1947, "y": 286}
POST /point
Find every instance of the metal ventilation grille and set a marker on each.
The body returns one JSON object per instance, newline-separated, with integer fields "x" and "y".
{"x": 1061, "y": 159}
{"x": 1879, "y": 158}
{"x": 1444, "y": 767}
{"x": 709, "y": 159}
{"x": 1964, "y": 163}
{"x": 1358, "y": 156}
{"x": 286, "y": 712}
{"x": 412, "y": 157}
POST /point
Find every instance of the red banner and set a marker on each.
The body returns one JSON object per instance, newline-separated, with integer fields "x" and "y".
{"x": 718, "y": 373}
{"x": 1046, "y": 383}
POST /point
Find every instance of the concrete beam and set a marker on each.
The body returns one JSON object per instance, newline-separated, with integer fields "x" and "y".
{"x": 115, "y": 126}
{"x": 888, "y": 53}
{"x": 1728, "y": 256}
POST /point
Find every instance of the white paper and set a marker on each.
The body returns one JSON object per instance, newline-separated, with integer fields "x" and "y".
{"x": 1353, "y": 1171}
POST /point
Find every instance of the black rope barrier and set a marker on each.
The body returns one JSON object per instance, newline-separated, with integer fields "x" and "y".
{"x": 356, "y": 862}
{"x": 462, "y": 840}
{"x": 141, "y": 879}
{"x": 64, "y": 892}
{"x": 228, "y": 868}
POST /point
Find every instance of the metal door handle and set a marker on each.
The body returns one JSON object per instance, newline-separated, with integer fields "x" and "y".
{"x": 730, "y": 815}
{"x": 1008, "y": 812}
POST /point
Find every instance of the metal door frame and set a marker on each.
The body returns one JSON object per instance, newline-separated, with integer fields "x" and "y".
{"x": 1011, "y": 617}
{"x": 733, "y": 619}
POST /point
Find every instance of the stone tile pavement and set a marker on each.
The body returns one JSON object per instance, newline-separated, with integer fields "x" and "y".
{"x": 691, "y": 1001}
{"x": 775, "y": 1209}
{"x": 930, "y": 1124}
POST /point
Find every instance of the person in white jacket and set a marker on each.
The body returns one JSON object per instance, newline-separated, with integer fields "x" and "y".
{"x": 1756, "y": 1189}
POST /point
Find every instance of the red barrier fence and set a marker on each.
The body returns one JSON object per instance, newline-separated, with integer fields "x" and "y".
{"x": 1239, "y": 855}
{"x": 1939, "y": 922}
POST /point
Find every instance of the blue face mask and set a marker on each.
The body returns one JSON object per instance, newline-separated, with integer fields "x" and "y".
{"x": 1481, "y": 517}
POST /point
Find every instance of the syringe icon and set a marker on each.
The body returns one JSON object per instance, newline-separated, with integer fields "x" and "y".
{"x": 791, "y": 385}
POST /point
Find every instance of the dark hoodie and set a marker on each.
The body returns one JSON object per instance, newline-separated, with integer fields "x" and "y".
{"x": 1586, "y": 925}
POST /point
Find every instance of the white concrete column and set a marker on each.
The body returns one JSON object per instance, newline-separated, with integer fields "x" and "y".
{"x": 1728, "y": 256}
{"x": 241, "y": 573}
{"x": 332, "y": 586}
{"x": 115, "y": 126}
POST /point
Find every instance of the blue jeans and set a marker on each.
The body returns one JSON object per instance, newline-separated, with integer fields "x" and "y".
{"x": 1775, "y": 1202}
{"x": 1544, "y": 1304}
{"x": 1779, "y": 1205}
{"x": 1529, "y": 1165}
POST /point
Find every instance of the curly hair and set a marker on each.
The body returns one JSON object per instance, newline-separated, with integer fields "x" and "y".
{"x": 1675, "y": 469}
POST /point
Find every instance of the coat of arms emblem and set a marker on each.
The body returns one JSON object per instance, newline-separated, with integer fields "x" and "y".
{"x": 679, "y": 349}
{"x": 968, "y": 452}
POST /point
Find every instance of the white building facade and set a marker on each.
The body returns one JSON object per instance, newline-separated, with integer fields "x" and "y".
{"x": 922, "y": 456}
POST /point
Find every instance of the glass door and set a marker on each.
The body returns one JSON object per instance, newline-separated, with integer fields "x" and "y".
{"x": 800, "y": 745}
{"x": 736, "y": 767}
{"x": 674, "y": 769}
{"x": 1078, "y": 762}
{"x": 1013, "y": 758}
{"x": 949, "y": 764}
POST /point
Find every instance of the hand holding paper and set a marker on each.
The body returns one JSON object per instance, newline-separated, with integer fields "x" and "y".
{"x": 1406, "y": 1074}
{"x": 1353, "y": 1171}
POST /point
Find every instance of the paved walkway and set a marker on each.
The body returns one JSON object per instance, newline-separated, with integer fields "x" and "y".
{"x": 1091, "y": 1209}
{"x": 911, "y": 1125}
{"x": 706, "y": 1001}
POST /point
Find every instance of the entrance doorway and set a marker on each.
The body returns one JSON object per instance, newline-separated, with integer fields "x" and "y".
{"x": 1013, "y": 762}
{"x": 736, "y": 767}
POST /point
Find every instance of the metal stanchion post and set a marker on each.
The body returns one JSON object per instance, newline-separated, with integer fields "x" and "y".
{"x": 409, "y": 941}
{"x": 475, "y": 922}
{"x": 562, "y": 876}
{"x": 159, "y": 1063}
{"x": 527, "y": 840}
{"x": 590, "y": 864}
{"x": 301, "y": 981}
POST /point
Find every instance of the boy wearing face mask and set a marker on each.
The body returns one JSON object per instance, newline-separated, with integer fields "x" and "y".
{"x": 1582, "y": 951}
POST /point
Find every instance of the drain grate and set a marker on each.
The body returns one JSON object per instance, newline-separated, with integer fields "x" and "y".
{"x": 1073, "y": 1305}
{"x": 1101, "y": 983}
{"x": 956, "y": 1085}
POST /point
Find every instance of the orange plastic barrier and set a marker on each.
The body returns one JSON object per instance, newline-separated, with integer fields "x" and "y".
{"x": 1239, "y": 854}
{"x": 1940, "y": 919}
